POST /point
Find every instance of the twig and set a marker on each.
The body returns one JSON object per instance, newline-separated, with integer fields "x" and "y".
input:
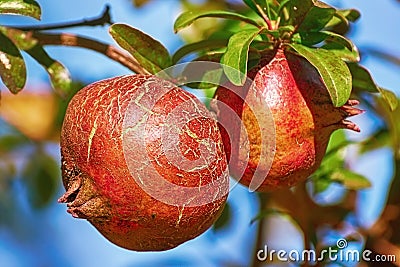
{"x": 110, "y": 51}
{"x": 101, "y": 20}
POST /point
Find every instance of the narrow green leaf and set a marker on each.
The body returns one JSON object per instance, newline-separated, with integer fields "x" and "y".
{"x": 234, "y": 60}
{"x": 59, "y": 75}
{"x": 187, "y": 18}
{"x": 266, "y": 213}
{"x": 20, "y": 7}
{"x": 334, "y": 72}
{"x": 210, "y": 56}
{"x": 316, "y": 19}
{"x": 150, "y": 53}
{"x": 363, "y": 81}
{"x": 12, "y": 65}
{"x": 205, "y": 45}
{"x": 350, "y": 180}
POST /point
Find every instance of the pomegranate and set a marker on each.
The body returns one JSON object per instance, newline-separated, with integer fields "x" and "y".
{"x": 300, "y": 119}
{"x": 146, "y": 176}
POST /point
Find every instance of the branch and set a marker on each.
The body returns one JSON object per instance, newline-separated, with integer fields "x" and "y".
{"x": 110, "y": 51}
{"x": 101, "y": 20}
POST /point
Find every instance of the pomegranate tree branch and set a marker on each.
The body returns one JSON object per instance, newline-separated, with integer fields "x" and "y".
{"x": 110, "y": 51}
{"x": 101, "y": 20}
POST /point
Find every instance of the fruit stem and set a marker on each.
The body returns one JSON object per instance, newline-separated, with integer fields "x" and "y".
{"x": 101, "y": 20}
{"x": 110, "y": 51}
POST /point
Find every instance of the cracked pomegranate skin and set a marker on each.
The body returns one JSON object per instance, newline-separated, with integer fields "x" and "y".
{"x": 302, "y": 115}
{"x": 100, "y": 186}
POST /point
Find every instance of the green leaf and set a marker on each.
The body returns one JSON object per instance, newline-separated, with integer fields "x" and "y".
{"x": 298, "y": 10}
{"x": 11, "y": 142}
{"x": 343, "y": 52}
{"x": 389, "y": 97}
{"x": 309, "y": 38}
{"x": 187, "y": 18}
{"x": 351, "y": 14}
{"x": 316, "y": 19}
{"x": 225, "y": 218}
{"x": 252, "y": 5}
{"x": 350, "y": 180}
{"x": 334, "y": 72}
{"x": 343, "y": 17}
{"x": 340, "y": 44}
{"x": 41, "y": 175}
{"x": 392, "y": 120}
{"x": 362, "y": 81}
{"x": 320, "y": 184}
{"x": 210, "y": 79}
{"x": 205, "y": 45}
{"x": 339, "y": 39}
{"x": 59, "y": 76}
{"x": 334, "y": 157}
{"x": 20, "y": 7}
{"x": 379, "y": 139}
{"x": 150, "y": 53}
{"x": 336, "y": 141}
{"x": 234, "y": 60}
{"x": 12, "y": 65}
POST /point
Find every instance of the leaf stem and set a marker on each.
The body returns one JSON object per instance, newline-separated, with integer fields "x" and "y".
{"x": 264, "y": 16}
{"x": 101, "y": 20}
{"x": 110, "y": 51}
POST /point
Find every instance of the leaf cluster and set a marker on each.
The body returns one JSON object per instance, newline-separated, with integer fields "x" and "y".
{"x": 12, "y": 64}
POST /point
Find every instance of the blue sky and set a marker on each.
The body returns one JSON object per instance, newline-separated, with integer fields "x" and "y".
{"x": 56, "y": 239}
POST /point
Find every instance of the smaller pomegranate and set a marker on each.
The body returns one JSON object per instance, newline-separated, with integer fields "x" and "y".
{"x": 287, "y": 103}
{"x": 143, "y": 161}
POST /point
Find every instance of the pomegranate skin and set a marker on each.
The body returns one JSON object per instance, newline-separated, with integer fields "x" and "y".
{"x": 102, "y": 188}
{"x": 302, "y": 115}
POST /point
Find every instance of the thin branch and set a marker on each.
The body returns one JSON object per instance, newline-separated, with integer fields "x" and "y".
{"x": 101, "y": 20}
{"x": 110, "y": 51}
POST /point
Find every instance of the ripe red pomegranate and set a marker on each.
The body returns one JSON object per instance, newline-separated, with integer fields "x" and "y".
{"x": 124, "y": 148}
{"x": 301, "y": 119}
